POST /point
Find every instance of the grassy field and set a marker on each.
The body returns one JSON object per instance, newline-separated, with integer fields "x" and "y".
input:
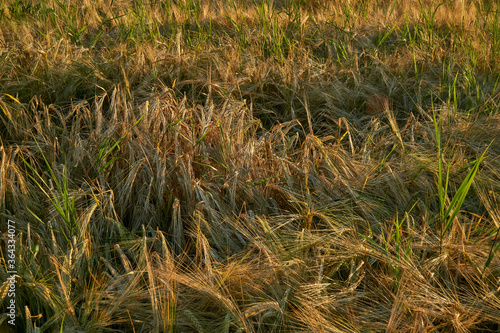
{"x": 251, "y": 166}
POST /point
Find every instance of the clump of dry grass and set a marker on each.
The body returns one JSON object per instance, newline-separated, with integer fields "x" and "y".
{"x": 322, "y": 166}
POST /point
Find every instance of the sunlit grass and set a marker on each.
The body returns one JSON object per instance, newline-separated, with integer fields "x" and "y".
{"x": 251, "y": 166}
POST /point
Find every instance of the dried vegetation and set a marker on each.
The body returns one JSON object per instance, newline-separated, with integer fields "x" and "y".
{"x": 252, "y": 166}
